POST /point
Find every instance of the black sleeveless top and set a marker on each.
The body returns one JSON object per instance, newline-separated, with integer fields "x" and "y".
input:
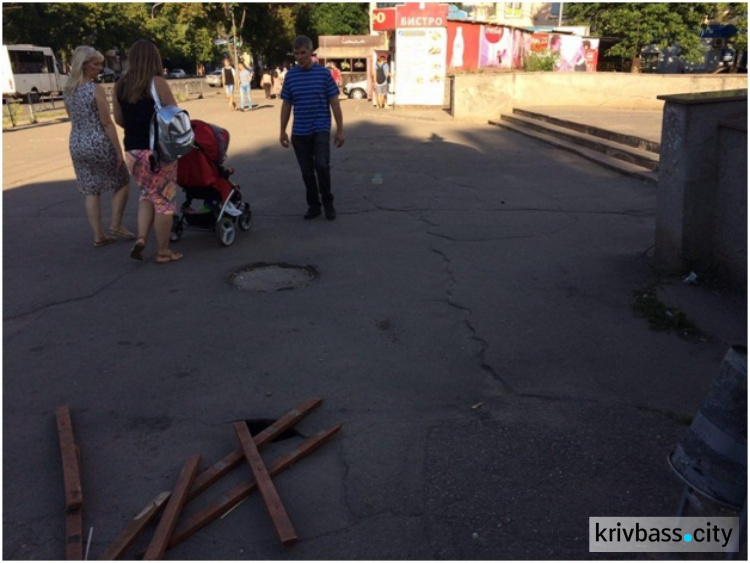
{"x": 137, "y": 119}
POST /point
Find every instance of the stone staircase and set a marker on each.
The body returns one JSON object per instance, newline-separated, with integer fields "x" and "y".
{"x": 624, "y": 153}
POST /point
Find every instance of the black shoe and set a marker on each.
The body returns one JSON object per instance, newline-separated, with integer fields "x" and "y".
{"x": 312, "y": 212}
{"x": 330, "y": 212}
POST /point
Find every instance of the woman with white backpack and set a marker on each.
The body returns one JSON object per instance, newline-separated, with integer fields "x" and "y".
{"x": 134, "y": 109}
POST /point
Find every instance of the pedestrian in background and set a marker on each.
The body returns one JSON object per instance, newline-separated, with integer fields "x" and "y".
{"x": 94, "y": 147}
{"x": 336, "y": 73}
{"x": 134, "y": 109}
{"x": 228, "y": 81}
{"x": 277, "y": 83}
{"x": 267, "y": 82}
{"x": 246, "y": 77}
{"x": 380, "y": 78}
{"x": 309, "y": 89}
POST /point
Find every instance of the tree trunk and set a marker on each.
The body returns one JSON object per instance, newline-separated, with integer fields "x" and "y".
{"x": 635, "y": 64}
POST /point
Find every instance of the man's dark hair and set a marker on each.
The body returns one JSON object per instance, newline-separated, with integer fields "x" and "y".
{"x": 302, "y": 41}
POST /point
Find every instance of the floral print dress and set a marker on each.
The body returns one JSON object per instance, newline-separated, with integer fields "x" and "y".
{"x": 94, "y": 157}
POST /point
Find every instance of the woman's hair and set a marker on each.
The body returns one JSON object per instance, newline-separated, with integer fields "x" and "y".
{"x": 144, "y": 62}
{"x": 81, "y": 56}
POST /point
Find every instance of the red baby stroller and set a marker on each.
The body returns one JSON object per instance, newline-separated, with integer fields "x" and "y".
{"x": 202, "y": 176}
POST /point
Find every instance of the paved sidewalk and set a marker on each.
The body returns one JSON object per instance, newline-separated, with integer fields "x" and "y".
{"x": 471, "y": 327}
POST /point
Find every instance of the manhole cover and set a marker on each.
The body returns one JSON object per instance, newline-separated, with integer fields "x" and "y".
{"x": 272, "y": 277}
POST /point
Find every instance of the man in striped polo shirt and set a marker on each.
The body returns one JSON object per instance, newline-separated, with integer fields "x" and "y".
{"x": 310, "y": 89}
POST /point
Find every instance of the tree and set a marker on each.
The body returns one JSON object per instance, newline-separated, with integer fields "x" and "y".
{"x": 638, "y": 25}
{"x": 184, "y": 31}
{"x": 340, "y": 19}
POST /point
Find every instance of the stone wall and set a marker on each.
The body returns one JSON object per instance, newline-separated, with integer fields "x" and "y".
{"x": 701, "y": 215}
{"x": 483, "y": 96}
{"x": 730, "y": 232}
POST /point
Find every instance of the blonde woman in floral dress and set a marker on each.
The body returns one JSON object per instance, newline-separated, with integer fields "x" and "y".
{"x": 94, "y": 148}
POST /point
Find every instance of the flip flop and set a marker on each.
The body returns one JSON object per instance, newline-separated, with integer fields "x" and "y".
{"x": 167, "y": 258}
{"x": 104, "y": 241}
{"x": 122, "y": 232}
{"x": 137, "y": 252}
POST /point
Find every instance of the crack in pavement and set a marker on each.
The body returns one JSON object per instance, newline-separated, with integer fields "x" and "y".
{"x": 20, "y": 317}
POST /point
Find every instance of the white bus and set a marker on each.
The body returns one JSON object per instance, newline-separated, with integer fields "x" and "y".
{"x": 35, "y": 71}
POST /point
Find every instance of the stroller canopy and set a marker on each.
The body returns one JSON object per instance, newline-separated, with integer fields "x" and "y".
{"x": 212, "y": 140}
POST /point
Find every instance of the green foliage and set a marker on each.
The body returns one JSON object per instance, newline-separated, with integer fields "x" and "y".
{"x": 642, "y": 24}
{"x": 736, "y": 14}
{"x": 183, "y": 31}
{"x": 662, "y": 317}
{"x": 340, "y": 19}
{"x": 537, "y": 62}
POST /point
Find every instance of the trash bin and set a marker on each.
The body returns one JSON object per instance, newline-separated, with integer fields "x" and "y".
{"x": 712, "y": 458}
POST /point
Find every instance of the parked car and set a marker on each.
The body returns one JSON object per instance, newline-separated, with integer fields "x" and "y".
{"x": 176, "y": 73}
{"x": 356, "y": 90}
{"x": 214, "y": 79}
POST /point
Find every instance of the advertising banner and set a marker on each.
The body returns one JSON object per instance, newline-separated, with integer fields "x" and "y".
{"x": 575, "y": 53}
{"x": 421, "y": 14}
{"x": 503, "y": 47}
{"x": 420, "y": 79}
{"x": 463, "y": 45}
{"x": 384, "y": 19}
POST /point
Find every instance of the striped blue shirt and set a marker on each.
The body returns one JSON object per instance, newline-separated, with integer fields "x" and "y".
{"x": 309, "y": 92}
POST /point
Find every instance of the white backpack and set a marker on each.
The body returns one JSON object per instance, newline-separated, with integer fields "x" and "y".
{"x": 171, "y": 135}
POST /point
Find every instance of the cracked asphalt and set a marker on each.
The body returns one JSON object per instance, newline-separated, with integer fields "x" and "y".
{"x": 471, "y": 329}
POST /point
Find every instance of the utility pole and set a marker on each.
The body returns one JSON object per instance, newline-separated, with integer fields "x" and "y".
{"x": 559, "y": 16}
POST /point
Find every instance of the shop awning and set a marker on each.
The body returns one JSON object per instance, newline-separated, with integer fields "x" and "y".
{"x": 359, "y": 52}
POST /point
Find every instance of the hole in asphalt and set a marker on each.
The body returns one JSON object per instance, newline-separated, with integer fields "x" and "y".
{"x": 258, "y": 425}
{"x": 262, "y": 277}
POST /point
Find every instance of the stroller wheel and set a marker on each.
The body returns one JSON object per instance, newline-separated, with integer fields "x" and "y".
{"x": 176, "y": 233}
{"x": 246, "y": 219}
{"x": 225, "y": 231}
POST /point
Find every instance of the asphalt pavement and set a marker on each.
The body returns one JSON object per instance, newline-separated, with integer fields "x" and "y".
{"x": 470, "y": 326}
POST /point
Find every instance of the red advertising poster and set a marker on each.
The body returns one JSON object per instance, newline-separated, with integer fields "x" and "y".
{"x": 421, "y": 14}
{"x": 591, "y": 48}
{"x": 503, "y": 47}
{"x": 384, "y": 19}
{"x": 463, "y": 45}
{"x": 539, "y": 42}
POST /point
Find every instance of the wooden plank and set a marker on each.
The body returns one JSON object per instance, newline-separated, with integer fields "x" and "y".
{"x": 243, "y": 490}
{"x": 135, "y": 527}
{"x": 221, "y": 468}
{"x": 281, "y": 522}
{"x": 74, "y": 534}
{"x": 70, "y": 462}
{"x": 168, "y": 521}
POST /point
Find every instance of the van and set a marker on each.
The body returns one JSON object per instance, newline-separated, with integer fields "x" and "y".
{"x": 8, "y": 86}
{"x": 35, "y": 71}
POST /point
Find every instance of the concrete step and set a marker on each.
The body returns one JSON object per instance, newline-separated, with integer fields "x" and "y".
{"x": 618, "y": 137}
{"x": 593, "y": 155}
{"x": 645, "y": 159}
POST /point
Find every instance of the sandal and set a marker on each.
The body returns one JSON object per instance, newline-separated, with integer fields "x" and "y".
{"x": 122, "y": 232}
{"x": 167, "y": 258}
{"x": 104, "y": 241}
{"x": 137, "y": 252}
